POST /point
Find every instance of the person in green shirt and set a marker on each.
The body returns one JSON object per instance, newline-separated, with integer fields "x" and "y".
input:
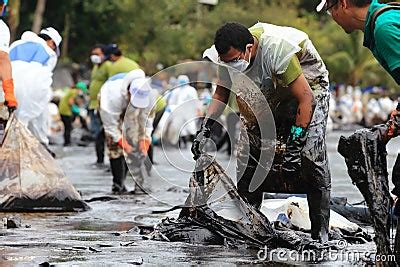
{"x": 68, "y": 109}
{"x": 383, "y": 42}
{"x": 120, "y": 64}
{"x": 98, "y": 78}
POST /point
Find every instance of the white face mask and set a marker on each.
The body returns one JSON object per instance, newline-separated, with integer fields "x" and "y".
{"x": 96, "y": 59}
{"x": 240, "y": 64}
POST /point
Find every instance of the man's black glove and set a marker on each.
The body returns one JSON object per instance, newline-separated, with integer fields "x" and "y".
{"x": 198, "y": 143}
{"x": 11, "y": 110}
{"x": 396, "y": 191}
{"x": 292, "y": 156}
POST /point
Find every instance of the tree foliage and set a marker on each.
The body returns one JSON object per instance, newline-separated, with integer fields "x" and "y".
{"x": 169, "y": 31}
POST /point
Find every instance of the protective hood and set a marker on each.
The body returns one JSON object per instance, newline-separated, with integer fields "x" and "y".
{"x": 33, "y": 49}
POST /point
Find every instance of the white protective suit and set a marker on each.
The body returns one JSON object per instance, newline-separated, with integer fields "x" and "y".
{"x": 114, "y": 100}
{"x": 183, "y": 103}
{"x": 4, "y": 37}
{"x": 33, "y": 62}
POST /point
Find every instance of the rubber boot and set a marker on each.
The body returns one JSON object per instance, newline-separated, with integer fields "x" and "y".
{"x": 118, "y": 171}
{"x": 319, "y": 212}
{"x": 396, "y": 177}
{"x": 397, "y": 243}
{"x": 135, "y": 164}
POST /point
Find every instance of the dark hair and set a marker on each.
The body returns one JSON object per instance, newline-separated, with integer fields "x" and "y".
{"x": 112, "y": 49}
{"x": 232, "y": 34}
{"x": 116, "y": 52}
{"x": 99, "y": 46}
{"x": 44, "y": 36}
{"x": 360, "y": 3}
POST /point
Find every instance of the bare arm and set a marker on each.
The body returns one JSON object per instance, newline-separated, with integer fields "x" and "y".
{"x": 218, "y": 104}
{"x": 301, "y": 90}
{"x": 5, "y": 66}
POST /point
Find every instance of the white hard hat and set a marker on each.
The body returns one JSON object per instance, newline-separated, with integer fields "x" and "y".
{"x": 55, "y": 36}
{"x": 140, "y": 92}
{"x": 321, "y": 5}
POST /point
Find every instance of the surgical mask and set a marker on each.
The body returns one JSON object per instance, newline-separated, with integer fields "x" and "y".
{"x": 240, "y": 64}
{"x": 96, "y": 59}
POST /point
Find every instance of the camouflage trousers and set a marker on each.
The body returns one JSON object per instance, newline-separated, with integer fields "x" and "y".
{"x": 315, "y": 178}
{"x": 131, "y": 130}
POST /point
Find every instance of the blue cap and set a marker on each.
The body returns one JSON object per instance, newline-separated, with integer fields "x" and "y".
{"x": 110, "y": 50}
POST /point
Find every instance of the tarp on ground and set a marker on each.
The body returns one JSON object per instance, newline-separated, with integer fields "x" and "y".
{"x": 30, "y": 179}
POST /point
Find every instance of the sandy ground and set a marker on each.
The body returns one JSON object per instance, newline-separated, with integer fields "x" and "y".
{"x": 108, "y": 233}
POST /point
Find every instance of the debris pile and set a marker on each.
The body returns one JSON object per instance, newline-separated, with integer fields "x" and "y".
{"x": 30, "y": 179}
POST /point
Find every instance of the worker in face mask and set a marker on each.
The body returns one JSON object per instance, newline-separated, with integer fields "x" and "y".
{"x": 99, "y": 77}
{"x": 290, "y": 75}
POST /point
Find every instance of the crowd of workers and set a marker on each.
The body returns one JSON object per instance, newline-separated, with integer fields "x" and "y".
{"x": 125, "y": 110}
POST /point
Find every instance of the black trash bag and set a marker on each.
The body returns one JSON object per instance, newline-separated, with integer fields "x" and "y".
{"x": 30, "y": 180}
{"x": 214, "y": 213}
{"x": 365, "y": 156}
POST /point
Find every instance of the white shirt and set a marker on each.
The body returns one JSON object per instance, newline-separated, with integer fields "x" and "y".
{"x": 4, "y": 37}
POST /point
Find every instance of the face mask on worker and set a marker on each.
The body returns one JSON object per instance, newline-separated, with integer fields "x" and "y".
{"x": 241, "y": 64}
{"x": 96, "y": 59}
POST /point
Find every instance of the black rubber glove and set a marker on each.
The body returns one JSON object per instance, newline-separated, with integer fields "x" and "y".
{"x": 201, "y": 137}
{"x": 11, "y": 110}
{"x": 292, "y": 156}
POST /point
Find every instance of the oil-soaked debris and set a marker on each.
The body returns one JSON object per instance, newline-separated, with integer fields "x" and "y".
{"x": 216, "y": 214}
{"x": 45, "y": 264}
{"x": 127, "y": 244}
{"x": 11, "y": 222}
{"x": 105, "y": 245}
{"x": 176, "y": 189}
{"x": 139, "y": 261}
{"x": 79, "y": 248}
{"x": 102, "y": 199}
{"x": 94, "y": 250}
{"x": 116, "y": 234}
{"x": 365, "y": 156}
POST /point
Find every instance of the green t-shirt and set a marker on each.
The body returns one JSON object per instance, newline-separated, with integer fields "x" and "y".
{"x": 160, "y": 104}
{"x": 65, "y": 108}
{"x": 385, "y": 41}
{"x": 122, "y": 65}
{"x": 98, "y": 78}
{"x": 293, "y": 70}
